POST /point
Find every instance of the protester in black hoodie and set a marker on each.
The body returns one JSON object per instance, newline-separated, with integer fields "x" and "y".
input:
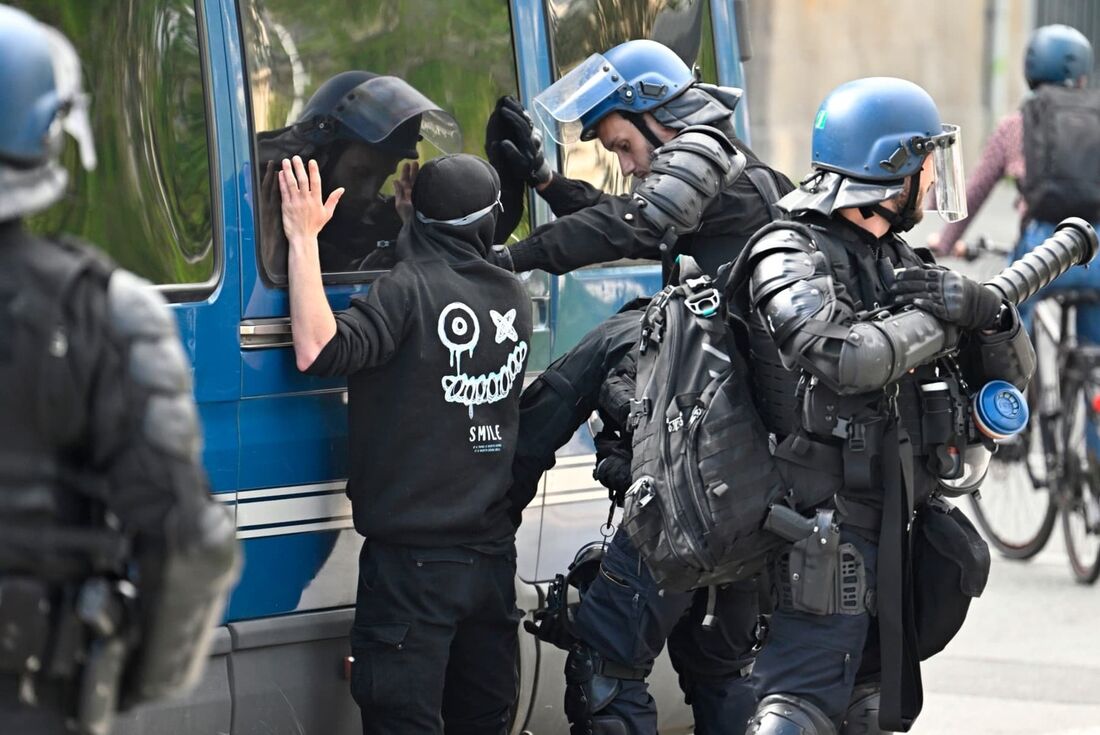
{"x": 435, "y": 356}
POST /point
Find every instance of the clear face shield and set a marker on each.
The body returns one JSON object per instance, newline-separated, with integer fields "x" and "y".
{"x": 375, "y": 108}
{"x": 73, "y": 114}
{"x": 949, "y": 197}
{"x": 560, "y": 106}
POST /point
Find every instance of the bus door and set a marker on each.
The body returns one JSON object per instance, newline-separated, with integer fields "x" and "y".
{"x": 301, "y": 551}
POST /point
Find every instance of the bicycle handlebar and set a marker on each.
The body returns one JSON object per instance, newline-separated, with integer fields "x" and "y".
{"x": 1073, "y": 243}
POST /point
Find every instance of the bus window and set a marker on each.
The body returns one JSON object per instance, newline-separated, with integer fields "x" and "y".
{"x": 456, "y": 53}
{"x": 580, "y": 28}
{"x": 148, "y": 202}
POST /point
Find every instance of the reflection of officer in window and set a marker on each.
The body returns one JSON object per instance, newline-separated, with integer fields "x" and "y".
{"x": 358, "y": 126}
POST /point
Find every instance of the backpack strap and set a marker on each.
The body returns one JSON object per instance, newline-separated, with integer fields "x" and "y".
{"x": 763, "y": 180}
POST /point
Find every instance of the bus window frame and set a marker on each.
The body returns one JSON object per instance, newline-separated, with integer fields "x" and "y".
{"x": 182, "y": 293}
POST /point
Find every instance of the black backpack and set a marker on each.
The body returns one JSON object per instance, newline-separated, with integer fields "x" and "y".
{"x": 1062, "y": 154}
{"x": 704, "y": 476}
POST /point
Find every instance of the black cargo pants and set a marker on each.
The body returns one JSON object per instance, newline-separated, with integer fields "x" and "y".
{"x": 435, "y": 641}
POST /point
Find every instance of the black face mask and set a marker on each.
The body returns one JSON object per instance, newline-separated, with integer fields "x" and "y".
{"x": 907, "y": 216}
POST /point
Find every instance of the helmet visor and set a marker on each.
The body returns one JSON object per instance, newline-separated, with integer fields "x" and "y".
{"x": 950, "y": 182}
{"x": 560, "y": 107}
{"x": 73, "y": 112}
{"x": 375, "y": 108}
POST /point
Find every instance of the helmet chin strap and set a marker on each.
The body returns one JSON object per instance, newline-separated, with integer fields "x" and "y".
{"x": 905, "y": 218}
{"x": 637, "y": 119}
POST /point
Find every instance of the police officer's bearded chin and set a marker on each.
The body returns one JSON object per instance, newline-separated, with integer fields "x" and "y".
{"x": 634, "y": 139}
{"x": 905, "y": 210}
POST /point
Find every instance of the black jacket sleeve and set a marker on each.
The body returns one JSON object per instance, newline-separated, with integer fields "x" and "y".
{"x": 368, "y": 332}
{"x": 608, "y": 230}
{"x": 566, "y": 196}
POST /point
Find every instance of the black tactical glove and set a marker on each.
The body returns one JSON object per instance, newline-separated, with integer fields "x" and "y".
{"x": 551, "y": 623}
{"x": 949, "y": 296}
{"x": 513, "y": 144}
{"x": 613, "y": 457}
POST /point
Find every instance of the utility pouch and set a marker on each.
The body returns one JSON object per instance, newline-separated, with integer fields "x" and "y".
{"x": 25, "y": 614}
{"x": 937, "y": 415}
{"x": 815, "y": 567}
{"x": 863, "y": 453}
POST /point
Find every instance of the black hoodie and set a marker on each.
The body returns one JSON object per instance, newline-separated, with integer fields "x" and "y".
{"x": 435, "y": 355}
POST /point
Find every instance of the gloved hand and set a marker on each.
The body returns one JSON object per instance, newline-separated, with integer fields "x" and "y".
{"x": 613, "y": 457}
{"x": 947, "y": 295}
{"x": 513, "y": 144}
{"x": 551, "y": 623}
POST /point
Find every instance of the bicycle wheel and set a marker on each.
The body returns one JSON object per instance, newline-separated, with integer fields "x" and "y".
{"x": 1017, "y": 509}
{"x": 1079, "y": 494}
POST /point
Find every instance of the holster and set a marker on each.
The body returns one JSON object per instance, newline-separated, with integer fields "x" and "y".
{"x": 820, "y": 575}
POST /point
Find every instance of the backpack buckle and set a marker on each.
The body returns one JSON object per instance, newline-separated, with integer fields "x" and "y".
{"x": 675, "y": 423}
{"x": 703, "y": 303}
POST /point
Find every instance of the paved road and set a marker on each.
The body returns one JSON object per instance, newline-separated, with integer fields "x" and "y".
{"x": 1027, "y": 660}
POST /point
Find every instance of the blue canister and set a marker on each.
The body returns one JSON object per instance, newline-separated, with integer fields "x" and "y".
{"x": 1000, "y": 410}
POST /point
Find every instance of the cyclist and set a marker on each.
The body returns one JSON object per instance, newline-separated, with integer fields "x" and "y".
{"x": 1062, "y": 118}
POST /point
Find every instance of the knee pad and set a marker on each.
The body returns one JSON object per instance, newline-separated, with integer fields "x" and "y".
{"x": 587, "y": 692}
{"x": 862, "y": 715}
{"x": 784, "y": 714}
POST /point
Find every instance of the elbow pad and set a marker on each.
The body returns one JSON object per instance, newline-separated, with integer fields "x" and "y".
{"x": 878, "y": 352}
{"x": 1007, "y": 355}
{"x": 687, "y": 174}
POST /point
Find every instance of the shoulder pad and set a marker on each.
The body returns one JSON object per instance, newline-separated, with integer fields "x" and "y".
{"x": 687, "y": 173}
{"x": 135, "y": 309}
{"x": 782, "y": 237}
{"x": 707, "y": 143}
{"x": 778, "y": 269}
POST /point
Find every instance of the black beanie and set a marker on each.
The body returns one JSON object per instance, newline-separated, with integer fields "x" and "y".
{"x": 454, "y": 186}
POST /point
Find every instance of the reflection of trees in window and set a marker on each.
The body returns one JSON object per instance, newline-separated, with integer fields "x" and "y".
{"x": 148, "y": 202}
{"x": 458, "y": 53}
{"x": 580, "y": 28}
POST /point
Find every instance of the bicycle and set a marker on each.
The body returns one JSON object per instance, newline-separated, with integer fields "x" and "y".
{"x": 1044, "y": 471}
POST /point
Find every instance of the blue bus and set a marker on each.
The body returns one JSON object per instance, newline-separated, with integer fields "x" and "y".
{"x": 180, "y": 91}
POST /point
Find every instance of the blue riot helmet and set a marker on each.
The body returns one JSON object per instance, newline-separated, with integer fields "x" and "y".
{"x": 42, "y": 99}
{"x": 633, "y": 77}
{"x": 1057, "y": 54}
{"x": 384, "y": 111}
{"x": 872, "y": 135}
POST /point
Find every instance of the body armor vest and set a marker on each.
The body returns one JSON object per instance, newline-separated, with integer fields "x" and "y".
{"x": 42, "y": 408}
{"x": 861, "y": 272}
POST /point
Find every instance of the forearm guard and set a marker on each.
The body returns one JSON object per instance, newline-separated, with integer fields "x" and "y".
{"x": 878, "y": 352}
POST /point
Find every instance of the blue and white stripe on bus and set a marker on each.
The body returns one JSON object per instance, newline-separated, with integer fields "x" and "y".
{"x": 280, "y": 511}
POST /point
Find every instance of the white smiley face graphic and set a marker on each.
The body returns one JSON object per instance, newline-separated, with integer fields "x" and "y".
{"x": 459, "y": 331}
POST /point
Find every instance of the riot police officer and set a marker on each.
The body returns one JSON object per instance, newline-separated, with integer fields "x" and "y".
{"x": 114, "y": 561}
{"x": 863, "y": 353}
{"x": 698, "y": 191}
{"x": 674, "y": 135}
